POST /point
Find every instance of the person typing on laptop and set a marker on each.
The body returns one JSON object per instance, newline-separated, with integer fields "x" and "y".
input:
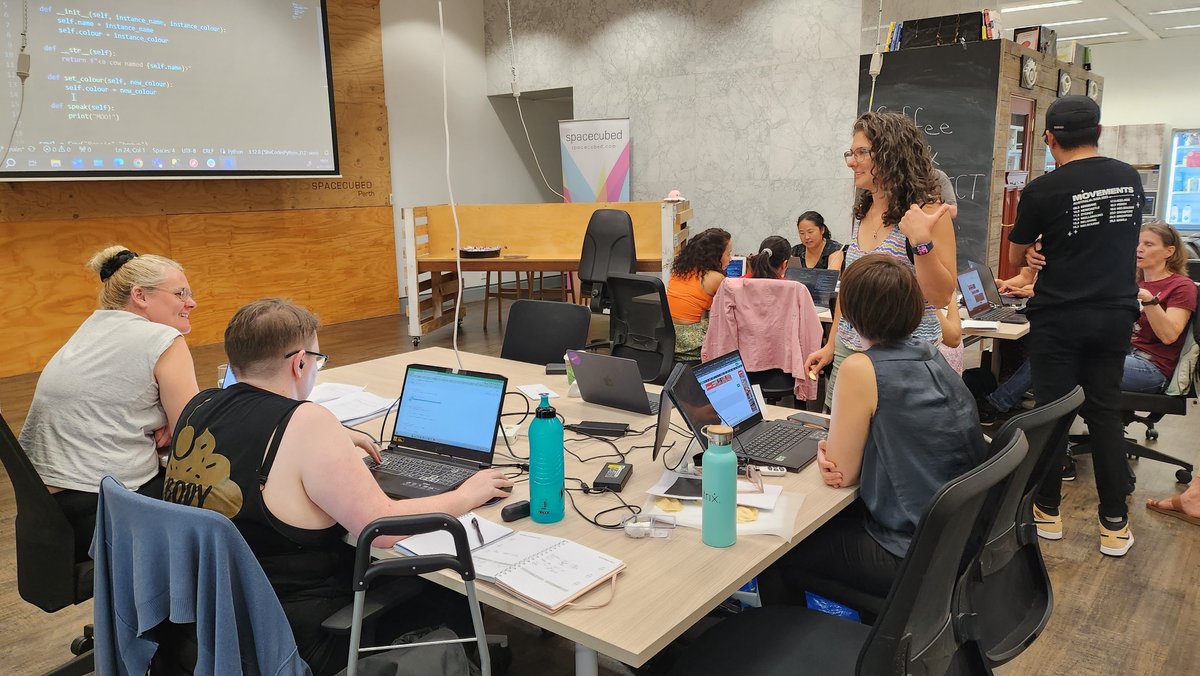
{"x": 291, "y": 478}
{"x": 902, "y": 425}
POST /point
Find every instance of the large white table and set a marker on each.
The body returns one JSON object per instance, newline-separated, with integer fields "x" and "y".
{"x": 668, "y": 584}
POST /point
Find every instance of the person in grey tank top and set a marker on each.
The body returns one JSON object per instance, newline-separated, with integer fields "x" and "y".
{"x": 903, "y": 425}
{"x": 111, "y": 395}
{"x": 899, "y": 211}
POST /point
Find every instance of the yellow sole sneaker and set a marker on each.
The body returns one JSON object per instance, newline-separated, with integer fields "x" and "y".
{"x": 1048, "y": 527}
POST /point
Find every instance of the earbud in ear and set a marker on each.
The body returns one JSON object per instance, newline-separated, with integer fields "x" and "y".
{"x": 301, "y": 363}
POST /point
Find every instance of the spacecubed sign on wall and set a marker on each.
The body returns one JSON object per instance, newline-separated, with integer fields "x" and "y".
{"x": 595, "y": 160}
{"x": 166, "y": 89}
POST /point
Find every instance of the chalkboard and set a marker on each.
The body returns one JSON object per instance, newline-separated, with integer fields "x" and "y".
{"x": 950, "y": 92}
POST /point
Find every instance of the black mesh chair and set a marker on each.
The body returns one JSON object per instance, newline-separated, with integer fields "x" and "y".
{"x": 541, "y": 331}
{"x": 1007, "y": 590}
{"x": 1155, "y": 406}
{"x": 920, "y": 630}
{"x": 607, "y": 248}
{"x": 640, "y": 324}
{"x": 48, "y": 574}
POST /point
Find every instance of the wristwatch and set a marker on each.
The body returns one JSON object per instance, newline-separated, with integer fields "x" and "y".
{"x": 922, "y": 249}
{"x": 1153, "y": 301}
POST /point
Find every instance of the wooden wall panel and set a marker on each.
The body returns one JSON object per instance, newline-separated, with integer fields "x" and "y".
{"x": 326, "y": 242}
{"x": 45, "y": 290}
{"x": 340, "y": 263}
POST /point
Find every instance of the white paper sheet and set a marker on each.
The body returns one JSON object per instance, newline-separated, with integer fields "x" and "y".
{"x": 324, "y": 392}
{"x": 358, "y": 407}
{"x": 536, "y": 390}
{"x": 779, "y": 522}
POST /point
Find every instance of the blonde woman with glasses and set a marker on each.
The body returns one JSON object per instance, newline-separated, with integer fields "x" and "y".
{"x": 109, "y": 398}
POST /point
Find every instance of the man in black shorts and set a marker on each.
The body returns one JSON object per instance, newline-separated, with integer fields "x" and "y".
{"x": 1087, "y": 214}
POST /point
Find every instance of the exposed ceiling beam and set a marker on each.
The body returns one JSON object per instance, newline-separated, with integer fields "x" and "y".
{"x": 1119, "y": 11}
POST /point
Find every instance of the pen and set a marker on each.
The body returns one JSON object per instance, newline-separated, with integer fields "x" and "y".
{"x": 475, "y": 523}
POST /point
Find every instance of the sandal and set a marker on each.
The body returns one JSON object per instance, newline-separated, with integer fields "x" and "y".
{"x": 1176, "y": 510}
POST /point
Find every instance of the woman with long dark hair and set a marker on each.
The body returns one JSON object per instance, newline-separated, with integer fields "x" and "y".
{"x": 771, "y": 261}
{"x": 817, "y": 248}
{"x": 696, "y": 274}
{"x": 898, "y": 213}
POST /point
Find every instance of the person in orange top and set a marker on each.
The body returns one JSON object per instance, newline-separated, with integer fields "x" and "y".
{"x": 696, "y": 274}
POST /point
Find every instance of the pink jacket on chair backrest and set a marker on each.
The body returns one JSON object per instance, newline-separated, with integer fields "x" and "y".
{"x": 772, "y": 322}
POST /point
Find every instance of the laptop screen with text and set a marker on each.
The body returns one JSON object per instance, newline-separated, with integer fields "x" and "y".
{"x": 458, "y": 410}
{"x": 727, "y": 385}
{"x": 971, "y": 285}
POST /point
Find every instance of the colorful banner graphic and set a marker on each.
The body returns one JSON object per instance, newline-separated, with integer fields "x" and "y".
{"x": 595, "y": 160}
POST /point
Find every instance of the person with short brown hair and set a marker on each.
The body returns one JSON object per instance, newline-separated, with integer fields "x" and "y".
{"x": 292, "y": 479}
{"x": 903, "y": 424}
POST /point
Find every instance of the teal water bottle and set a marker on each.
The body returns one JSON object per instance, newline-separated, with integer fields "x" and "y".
{"x": 546, "y": 465}
{"x": 718, "y": 524}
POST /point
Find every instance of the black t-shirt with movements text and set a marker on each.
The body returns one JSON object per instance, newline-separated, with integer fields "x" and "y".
{"x": 1088, "y": 213}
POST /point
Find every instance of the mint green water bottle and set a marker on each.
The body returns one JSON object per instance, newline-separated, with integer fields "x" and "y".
{"x": 546, "y": 465}
{"x": 718, "y": 525}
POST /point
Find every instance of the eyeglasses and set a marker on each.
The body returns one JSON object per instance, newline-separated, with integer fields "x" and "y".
{"x": 321, "y": 359}
{"x": 184, "y": 294}
{"x": 858, "y": 154}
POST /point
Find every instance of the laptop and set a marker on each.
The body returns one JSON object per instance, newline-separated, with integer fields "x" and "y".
{"x": 990, "y": 289}
{"x": 982, "y": 298}
{"x": 611, "y": 381}
{"x": 663, "y": 425}
{"x": 229, "y": 378}
{"x": 822, "y": 284}
{"x": 718, "y": 391}
{"x": 445, "y": 431}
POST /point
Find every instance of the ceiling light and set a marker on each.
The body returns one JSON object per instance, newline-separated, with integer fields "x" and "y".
{"x": 1179, "y": 28}
{"x": 1095, "y": 35}
{"x": 1075, "y": 21}
{"x": 1177, "y": 11}
{"x": 1042, "y": 5}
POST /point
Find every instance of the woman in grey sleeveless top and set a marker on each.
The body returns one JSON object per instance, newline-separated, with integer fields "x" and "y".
{"x": 111, "y": 395}
{"x": 903, "y": 425}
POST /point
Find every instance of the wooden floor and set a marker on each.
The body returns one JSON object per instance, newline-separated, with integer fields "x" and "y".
{"x": 1136, "y": 615}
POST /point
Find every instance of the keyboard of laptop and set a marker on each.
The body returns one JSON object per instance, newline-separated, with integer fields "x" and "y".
{"x": 995, "y": 314}
{"x": 653, "y": 399}
{"x": 766, "y": 446}
{"x": 422, "y": 470}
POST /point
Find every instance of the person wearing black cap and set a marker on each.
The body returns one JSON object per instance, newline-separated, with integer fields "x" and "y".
{"x": 1079, "y": 226}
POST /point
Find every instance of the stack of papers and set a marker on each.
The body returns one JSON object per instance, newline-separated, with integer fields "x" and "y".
{"x": 352, "y": 404}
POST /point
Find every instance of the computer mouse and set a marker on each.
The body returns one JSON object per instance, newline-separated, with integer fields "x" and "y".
{"x": 506, "y": 489}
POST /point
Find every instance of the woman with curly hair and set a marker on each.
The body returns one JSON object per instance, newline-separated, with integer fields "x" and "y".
{"x": 696, "y": 275}
{"x": 898, "y": 212}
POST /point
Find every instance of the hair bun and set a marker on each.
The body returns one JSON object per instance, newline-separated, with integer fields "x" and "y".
{"x": 110, "y": 267}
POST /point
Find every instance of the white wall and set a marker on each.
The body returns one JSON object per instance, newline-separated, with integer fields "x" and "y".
{"x": 1148, "y": 82}
{"x": 744, "y": 106}
{"x": 487, "y": 165}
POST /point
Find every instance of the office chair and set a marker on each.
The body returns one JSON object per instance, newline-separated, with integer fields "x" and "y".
{"x": 1007, "y": 589}
{"x": 640, "y": 324}
{"x": 48, "y": 575}
{"x": 919, "y": 631}
{"x": 1181, "y": 387}
{"x": 774, "y": 383}
{"x": 608, "y": 247}
{"x": 541, "y": 331}
{"x": 366, "y": 572}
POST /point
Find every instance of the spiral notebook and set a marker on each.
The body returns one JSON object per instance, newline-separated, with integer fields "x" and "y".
{"x": 547, "y": 571}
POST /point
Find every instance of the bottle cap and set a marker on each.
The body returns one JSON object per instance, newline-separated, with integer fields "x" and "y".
{"x": 719, "y": 435}
{"x": 544, "y": 409}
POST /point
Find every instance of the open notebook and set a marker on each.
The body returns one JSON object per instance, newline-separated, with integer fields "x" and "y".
{"x": 549, "y": 572}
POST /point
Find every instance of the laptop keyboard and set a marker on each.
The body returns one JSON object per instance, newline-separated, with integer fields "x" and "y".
{"x": 422, "y": 470}
{"x": 767, "y": 445}
{"x": 653, "y": 399}
{"x": 995, "y": 314}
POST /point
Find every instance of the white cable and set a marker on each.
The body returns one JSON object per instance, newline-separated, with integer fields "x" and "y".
{"x": 876, "y": 55}
{"x": 16, "y": 122}
{"x": 450, "y": 191}
{"x": 21, "y": 105}
{"x": 512, "y": 52}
